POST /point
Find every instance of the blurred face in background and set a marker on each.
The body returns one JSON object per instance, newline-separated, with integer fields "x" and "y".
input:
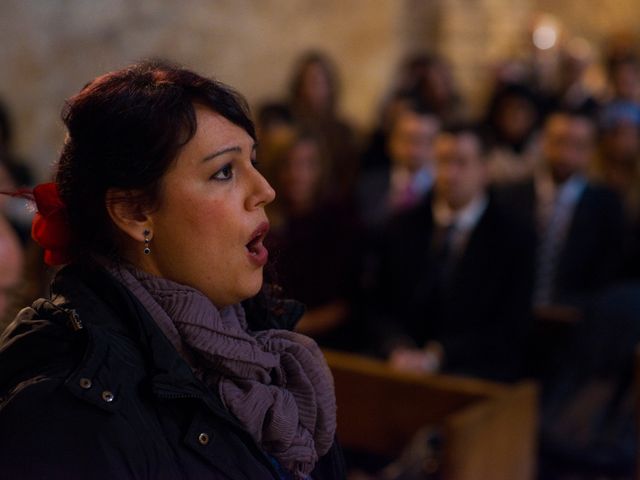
{"x": 11, "y": 263}
{"x": 412, "y": 139}
{"x": 6, "y": 184}
{"x": 461, "y": 172}
{"x": 301, "y": 174}
{"x": 437, "y": 85}
{"x": 625, "y": 79}
{"x": 622, "y": 142}
{"x": 315, "y": 87}
{"x": 516, "y": 118}
{"x": 567, "y": 145}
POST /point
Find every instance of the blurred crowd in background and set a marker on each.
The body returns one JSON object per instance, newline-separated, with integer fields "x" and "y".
{"x": 502, "y": 246}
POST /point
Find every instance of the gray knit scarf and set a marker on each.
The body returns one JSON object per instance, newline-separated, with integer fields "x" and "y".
{"x": 275, "y": 382}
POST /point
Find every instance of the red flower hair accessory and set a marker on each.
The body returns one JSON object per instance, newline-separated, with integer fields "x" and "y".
{"x": 50, "y": 227}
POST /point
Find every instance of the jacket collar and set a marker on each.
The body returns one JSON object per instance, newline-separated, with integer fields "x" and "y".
{"x": 110, "y": 315}
{"x": 93, "y": 317}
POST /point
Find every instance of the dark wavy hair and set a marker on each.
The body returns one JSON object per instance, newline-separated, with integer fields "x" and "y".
{"x": 125, "y": 129}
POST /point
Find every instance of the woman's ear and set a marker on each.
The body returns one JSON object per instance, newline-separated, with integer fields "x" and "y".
{"x": 128, "y": 214}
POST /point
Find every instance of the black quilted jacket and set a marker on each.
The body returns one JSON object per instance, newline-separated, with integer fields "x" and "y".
{"x": 91, "y": 388}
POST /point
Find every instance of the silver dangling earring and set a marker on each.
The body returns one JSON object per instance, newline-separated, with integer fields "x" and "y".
{"x": 146, "y": 250}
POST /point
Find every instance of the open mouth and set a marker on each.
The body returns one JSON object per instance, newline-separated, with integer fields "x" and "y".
{"x": 256, "y": 249}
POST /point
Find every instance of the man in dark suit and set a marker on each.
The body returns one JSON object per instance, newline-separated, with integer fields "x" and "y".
{"x": 456, "y": 273}
{"x": 580, "y": 228}
{"x": 579, "y": 225}
{"x": 388, "y": 189}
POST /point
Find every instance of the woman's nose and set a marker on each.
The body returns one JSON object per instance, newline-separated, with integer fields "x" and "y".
{"x": 262, "y": 193}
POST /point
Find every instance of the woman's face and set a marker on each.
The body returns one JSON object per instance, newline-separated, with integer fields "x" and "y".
{"x": 207, "y": 232}
{"x": 301, "y": 174}
{"x": 516, "y": 118}
{"x": 316, "y": 88}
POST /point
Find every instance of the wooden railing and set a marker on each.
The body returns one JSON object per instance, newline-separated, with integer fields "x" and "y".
{"x": 488, "y": 429}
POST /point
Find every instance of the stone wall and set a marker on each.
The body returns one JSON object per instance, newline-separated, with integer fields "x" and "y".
{"x": 592, "y": 19}
{"x": 50, "y": 48}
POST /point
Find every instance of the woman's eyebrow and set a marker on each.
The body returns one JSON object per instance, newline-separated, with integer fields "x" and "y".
{"x": 235, "y": 149}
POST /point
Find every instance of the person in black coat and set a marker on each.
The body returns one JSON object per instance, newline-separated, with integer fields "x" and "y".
{"x": 456, "y": 275}
{"x": 580, "y": 309}
{"x": 101, "y": 393}
{"x": 580, "y": 225}
{"x": 388, "y": 189}
{"x": 160, "y": 353}
{"x": 314, "y": 241}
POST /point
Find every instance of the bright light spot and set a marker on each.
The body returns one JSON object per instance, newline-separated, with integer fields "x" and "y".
{"x": 544, "y": 37}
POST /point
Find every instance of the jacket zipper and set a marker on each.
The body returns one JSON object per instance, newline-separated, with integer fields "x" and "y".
{"x": 74, "y": 320}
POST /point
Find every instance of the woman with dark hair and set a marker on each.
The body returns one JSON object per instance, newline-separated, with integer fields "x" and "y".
{"x": 511, "y": 126}
{"x": 149, "y": 360}
{"x": 314, "y": 241}
{"x": 314, "y": 93}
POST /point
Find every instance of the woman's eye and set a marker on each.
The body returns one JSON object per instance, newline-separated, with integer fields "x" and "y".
{"x": 225, "y": 173}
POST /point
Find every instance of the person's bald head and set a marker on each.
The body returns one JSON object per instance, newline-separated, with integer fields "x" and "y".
{"x": 11, "y": 264}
